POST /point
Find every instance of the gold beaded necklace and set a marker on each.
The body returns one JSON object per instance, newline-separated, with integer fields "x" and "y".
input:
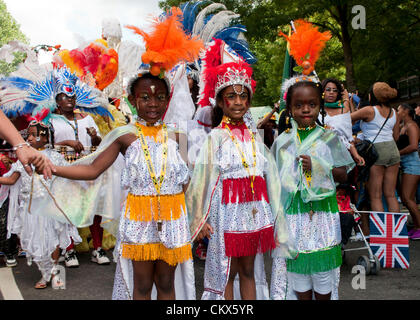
{"x": 242, "y": 155}
{"x": 157, "y": 182}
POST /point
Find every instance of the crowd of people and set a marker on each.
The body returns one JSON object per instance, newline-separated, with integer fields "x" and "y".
{"x": 276, "y": 186}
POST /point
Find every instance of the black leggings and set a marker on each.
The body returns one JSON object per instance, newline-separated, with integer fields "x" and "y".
{"x": 7, "y": 246}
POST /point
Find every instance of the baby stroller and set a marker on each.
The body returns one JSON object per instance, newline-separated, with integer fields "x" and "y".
{"x": 351, "y": 230}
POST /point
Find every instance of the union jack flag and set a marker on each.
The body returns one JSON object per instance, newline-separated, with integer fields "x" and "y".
{"x": 389, "y": 239}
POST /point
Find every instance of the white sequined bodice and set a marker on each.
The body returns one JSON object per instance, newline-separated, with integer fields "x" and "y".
{"x": 229, "y": 160}
{"x": 136, "y": 177}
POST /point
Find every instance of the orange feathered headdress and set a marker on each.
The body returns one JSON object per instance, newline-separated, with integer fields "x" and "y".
{"x": 167, "y": 45}
{"x": 306, "y": 44}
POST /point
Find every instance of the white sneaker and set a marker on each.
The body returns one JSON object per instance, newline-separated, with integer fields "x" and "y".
{"x": 10, "y": 261}
{"x": 70, "y": 259}
{"x": 99, "y": 256}
{"x": 356, "y": 237}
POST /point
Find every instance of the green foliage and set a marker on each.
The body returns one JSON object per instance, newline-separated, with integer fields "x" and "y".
{"x": 389, "y": 47}
{"x": 7, "y": 68}
{"x": 387, "y": 50}
{"x": 10, "y": 31}
{"x": 9, "y": 27}
{"x": 268, "y": 70}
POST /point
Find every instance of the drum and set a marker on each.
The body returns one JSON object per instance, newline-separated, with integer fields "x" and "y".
{"x": 70, "y": 155}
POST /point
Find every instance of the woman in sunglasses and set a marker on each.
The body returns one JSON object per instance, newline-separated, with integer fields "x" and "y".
{"x": 337, "y": 117}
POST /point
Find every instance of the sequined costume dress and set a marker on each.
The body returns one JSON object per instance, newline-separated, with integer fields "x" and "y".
{"x": 39, "y": 235}
{"x": 119, "y": 195}
{"x": 311, "y": 206}
{"x": 152, "y": 226}
{"x": 221, "y": 194}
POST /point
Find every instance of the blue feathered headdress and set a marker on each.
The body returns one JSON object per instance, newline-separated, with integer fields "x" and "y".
{"x": 19, "y": 96}
{"x": 209, "y": 20}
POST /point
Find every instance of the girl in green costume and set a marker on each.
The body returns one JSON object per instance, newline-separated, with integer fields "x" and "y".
{"x": 310, "y": 160}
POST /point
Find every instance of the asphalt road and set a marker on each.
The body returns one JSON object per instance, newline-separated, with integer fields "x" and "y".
{"x": 93, "y": 282}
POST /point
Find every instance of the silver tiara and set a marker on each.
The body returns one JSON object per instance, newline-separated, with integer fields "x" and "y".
{"x": 233, "y": 77}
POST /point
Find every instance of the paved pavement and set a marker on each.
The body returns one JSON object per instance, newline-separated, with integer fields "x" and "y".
{"x": 93, "y": 282}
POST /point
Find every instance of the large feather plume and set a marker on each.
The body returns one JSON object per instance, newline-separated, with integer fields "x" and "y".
{"x": 215, "y": 21}
{"x": 95, "y": 59}
{"x": 201, "y": 20}
{"x": 306, "y": 44}
{"x": 219, "y": 21}
{"x": 189, "y": 11}
{"x": 167, "y": 44}
{"x": 13, "y": 92}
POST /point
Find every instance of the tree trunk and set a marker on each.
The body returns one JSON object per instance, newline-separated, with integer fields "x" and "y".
{"x": 346, "y": 42}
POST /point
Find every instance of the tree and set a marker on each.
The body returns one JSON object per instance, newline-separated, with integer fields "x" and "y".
{"x": 386, "y": 50}
{"x": 10, "y": 29}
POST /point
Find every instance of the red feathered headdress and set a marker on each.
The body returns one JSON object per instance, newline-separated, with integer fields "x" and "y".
{"x": 41, "y": 117}
{"x": 222, "y": 67}
{"x": 306, "y": 44}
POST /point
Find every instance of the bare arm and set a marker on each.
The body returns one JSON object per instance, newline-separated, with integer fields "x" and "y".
{"x": 396, "y": 129}
{"x": 25, "y": 154}
{"x": 268, "y": 116}
{"x": 352, "y": 107}
{"x": 339, "y": 174}
{"x": 10, "y": 180}
{"x": 181, "y": 138}
{"x": 182, "y": 141}
{"x": 365, "y": 114}
{"x": 8, "y": 131}
{"x": 100, "y": 164}
{"x": 346, "y": 101}
{"x": 356, "y": 156}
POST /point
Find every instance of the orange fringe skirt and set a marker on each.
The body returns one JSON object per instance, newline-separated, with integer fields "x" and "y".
{"x": 157, "y": 251}
{"x": 146, "y": 209}
{"x": 142, "y": 207}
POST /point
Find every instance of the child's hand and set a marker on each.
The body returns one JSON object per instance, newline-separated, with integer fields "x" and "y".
{"x": 6, "y": 161}
{"x": 91, "y": 132}
{"x": 206, "y": 231}
{"x": 345, "y": 95}
{"x": 306, "y": 162}
{"x": 359, "y": 160}
{"x": 76, "y": 145}
{"x": 40, "y": 171}
{"x": 94, "y": 138}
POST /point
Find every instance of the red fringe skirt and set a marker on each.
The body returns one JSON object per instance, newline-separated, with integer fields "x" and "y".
{"x": 242, "y": 244}
{"x": 239, "y": 243}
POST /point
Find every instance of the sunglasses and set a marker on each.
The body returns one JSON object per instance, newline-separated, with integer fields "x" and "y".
{"x": 331, "y": 90}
